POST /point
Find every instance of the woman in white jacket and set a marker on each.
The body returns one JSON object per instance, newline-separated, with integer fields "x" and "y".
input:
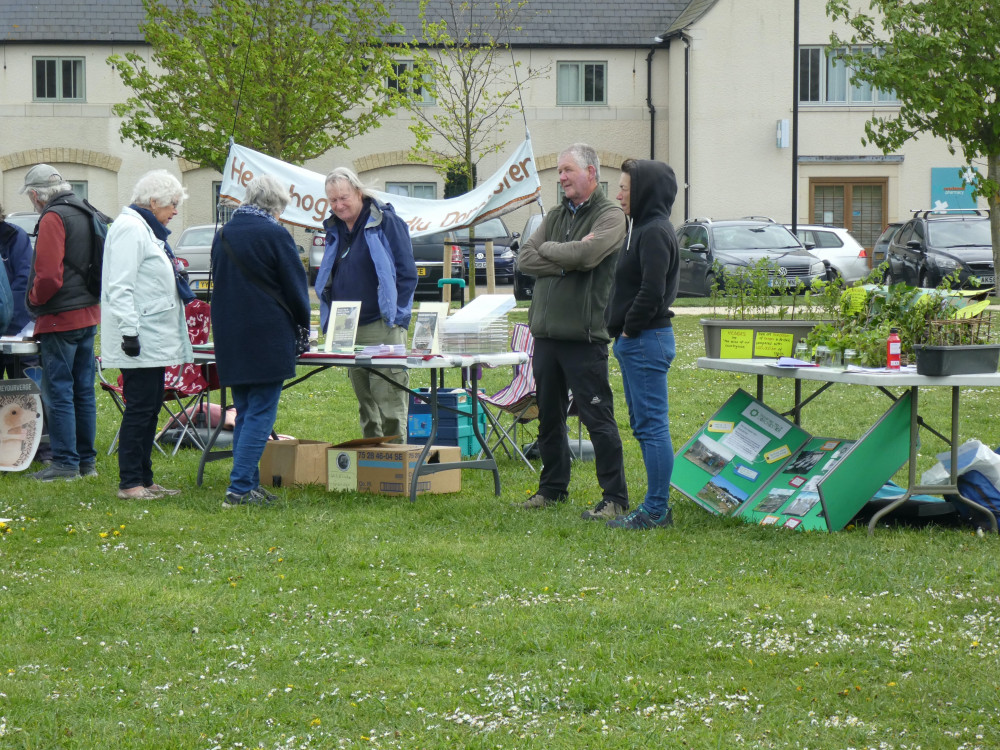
{"x": 143, "y": 328}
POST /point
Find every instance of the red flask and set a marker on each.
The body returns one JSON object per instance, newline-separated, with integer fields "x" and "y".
{"x": 892, "y": 348}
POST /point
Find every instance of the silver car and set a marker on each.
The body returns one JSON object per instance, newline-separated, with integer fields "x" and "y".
{"x": 836, "y": 246}
{"x": 195, "y": 248}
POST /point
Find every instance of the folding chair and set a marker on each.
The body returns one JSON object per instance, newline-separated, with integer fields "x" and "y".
{"x": 518, "y": 399}
{"x": 187, "y": 387}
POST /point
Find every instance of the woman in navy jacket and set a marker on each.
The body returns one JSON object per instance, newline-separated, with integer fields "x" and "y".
{"x": 254, "y": 265}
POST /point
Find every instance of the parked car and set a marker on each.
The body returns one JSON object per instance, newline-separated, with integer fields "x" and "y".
{"x": 725, "y": 247}
{"x": 27, "y": 220}
{"x": 524, "y": 285}
{"x": 195, "y": 249}
{"x": 881, "y": 248}
{"x": 504, "y": 244}
{"x": 316, "y": 249}
{"x": 835, "y": 245}
{"x": 428, "y": 254}
{"x": 935, "y": 244}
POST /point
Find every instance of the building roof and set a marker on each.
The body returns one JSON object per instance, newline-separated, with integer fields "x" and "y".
{"x": 557, "y": 23}
{"x": 692, "y": 13}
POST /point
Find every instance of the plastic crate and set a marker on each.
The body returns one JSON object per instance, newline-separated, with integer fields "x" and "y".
{"x": 469, "y": 445}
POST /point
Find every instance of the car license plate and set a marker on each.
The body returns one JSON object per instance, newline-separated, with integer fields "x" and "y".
{"x": 987, "y": 279}
{"x": 480, "y": 264}
{"x": 421, "y": 271}
{"x": 202, "y": 284}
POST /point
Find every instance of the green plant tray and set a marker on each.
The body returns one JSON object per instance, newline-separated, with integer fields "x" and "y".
{"x": 957, "y": 360}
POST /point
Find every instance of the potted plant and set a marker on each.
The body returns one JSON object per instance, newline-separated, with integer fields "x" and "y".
{"x": 944, "y": 331}
{"x": 761, "y": 314}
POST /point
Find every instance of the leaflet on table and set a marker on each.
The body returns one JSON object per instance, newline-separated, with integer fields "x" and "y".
{"x": 343, "y": 327}
{"x": 425, "y": 332}
{"x": 28, "y": 332}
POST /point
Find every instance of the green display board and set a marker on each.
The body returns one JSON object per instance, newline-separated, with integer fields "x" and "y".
{"x": 868, "y": 465}
{"x": 734, "y": 454}
{"x": 791, "y": 499}
{"x": 748, "y": 461}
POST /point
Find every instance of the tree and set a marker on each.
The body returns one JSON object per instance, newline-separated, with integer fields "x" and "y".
{"x": 289, "y": 78}
{"x": 464, "y": 64}
{"x": 942, "y": 58}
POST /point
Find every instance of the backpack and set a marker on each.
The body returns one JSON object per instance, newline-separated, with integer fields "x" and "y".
{"x": 100, "y": 222}
{"x": 977, "y": 488}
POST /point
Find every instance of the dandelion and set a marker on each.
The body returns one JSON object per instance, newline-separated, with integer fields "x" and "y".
{"x": 314, "y": 723}
{"x": 103, "y": 535}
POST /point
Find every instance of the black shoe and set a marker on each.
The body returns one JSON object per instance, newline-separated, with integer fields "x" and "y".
{"x": 259, "y": 491}
{"x": 248, "y": 499}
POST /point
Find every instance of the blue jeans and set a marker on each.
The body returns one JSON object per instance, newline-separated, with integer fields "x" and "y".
{"x": 68, "y": 392}
{"x": 256, "y": 409}
{"x": 645, "y": 360}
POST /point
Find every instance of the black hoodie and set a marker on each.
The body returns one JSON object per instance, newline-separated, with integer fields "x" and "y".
{"x": 646, "y": 276}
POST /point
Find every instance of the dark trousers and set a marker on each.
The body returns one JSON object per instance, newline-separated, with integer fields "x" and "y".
{"x": 581, "y": 367}
{"x": 143, "y": 394}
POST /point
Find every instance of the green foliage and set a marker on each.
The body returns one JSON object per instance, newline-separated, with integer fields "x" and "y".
{"x": 941, "y": 57}
{"x": 289, "y": 78}
{"x": 758, "y": 292}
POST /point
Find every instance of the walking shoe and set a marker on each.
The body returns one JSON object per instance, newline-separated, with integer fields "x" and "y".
{"x": 539, "y": 500}
{"x": 604, "y": 511}
{"x": 136, "y": 493}
{"x": 88, "y": 470}
{"x": 639, "y": 520}
{"x": 158, "y": 490}
{"x": 52, "y": 472}
{"x": 250, "y": 498}
{"x": 261, "y": 492}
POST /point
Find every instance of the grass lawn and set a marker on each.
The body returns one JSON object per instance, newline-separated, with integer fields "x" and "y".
{"x": 459, "y": 621}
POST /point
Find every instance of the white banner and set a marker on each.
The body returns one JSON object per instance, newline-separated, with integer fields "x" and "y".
{"x": 514, "y": 185}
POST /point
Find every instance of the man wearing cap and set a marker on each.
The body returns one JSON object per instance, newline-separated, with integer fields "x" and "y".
{"x": 66, "y": 318}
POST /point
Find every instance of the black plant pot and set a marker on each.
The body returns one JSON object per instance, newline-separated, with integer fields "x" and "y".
{"x": 957, "y": 360}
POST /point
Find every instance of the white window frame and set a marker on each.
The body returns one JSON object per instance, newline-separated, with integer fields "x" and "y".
{"x": 831, "y": 77}
{"x": 407, "y": 188}
{"x": 578, "y": 97}
{"x": 59, "y": 63}
{"x": 426, "y": 96}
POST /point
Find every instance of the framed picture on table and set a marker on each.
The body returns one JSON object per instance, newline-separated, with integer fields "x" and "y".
{"x": 342, "y": 328}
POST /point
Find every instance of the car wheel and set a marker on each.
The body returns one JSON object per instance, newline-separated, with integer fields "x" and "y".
{"x": 709, "y": 282}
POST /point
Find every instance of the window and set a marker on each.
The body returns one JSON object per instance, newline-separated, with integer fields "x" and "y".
{"x": 582, "y": 83}
{"x": 859, "y": 205}
{"x": 426, "y": 190}
{"x": 222, "y": 212}
{"x": 404, "y": 77}
{"x": 59, "y": 79}
{"x": 824, "y": 78}
{"x": 80, "y": 189}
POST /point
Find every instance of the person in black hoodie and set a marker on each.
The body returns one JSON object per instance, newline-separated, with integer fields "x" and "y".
{"x": 638, "y": 317}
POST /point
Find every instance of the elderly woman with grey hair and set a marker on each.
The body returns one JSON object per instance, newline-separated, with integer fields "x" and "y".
{"x": 143, "y": 326}
{"x": 260, "y": 298}
{"x": 369, "y": 258}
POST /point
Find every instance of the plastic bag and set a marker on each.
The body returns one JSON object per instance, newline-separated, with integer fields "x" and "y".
{"x": 972, "y": 454}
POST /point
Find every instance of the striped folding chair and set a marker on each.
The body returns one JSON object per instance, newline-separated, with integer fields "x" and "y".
{"x": 516, "y": 404}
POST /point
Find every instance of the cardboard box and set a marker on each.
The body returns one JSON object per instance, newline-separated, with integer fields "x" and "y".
{"x": 288, "y": 462}
{"x": 380, "y": 468}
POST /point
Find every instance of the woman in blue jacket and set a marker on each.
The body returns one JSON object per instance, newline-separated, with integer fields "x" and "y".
{"x": 369, "y": 259}
{"x": 260, "y": 296}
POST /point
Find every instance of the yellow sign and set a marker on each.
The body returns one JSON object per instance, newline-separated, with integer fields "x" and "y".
{"x": 717, "y": 425}
{"x": 735, "y": 343}
{"x": 773, "y": 344}
{"x": 778, "y": 454}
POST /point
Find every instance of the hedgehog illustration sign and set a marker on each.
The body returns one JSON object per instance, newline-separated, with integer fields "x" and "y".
{"x": 513, "y": 185}
{"x": 20, "y": 423}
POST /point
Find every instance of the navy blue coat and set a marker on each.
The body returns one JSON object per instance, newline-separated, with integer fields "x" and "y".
{"x": 254, "y": 336}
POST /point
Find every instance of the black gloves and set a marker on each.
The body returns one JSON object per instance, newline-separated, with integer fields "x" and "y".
{"x": 130, "y": 345}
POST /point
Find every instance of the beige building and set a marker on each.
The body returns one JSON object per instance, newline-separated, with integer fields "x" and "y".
{"x": 704, "y": 85}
